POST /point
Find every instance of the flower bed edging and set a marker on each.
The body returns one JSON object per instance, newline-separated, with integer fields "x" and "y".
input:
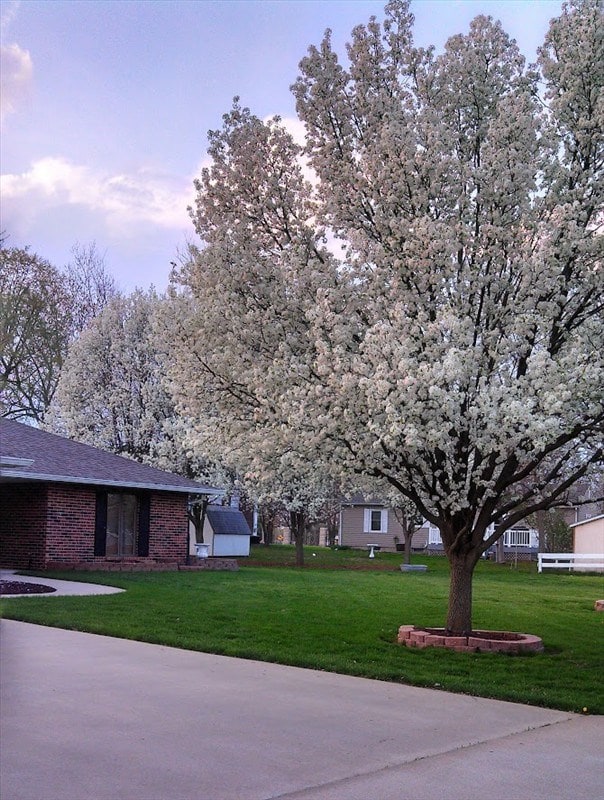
{"x": 478, "y": 641}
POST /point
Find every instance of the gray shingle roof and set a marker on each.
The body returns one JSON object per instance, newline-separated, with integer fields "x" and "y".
{"x": 227, "y": 520}
{"x": 28, "y": 453}
{"x": 363, "y": 500}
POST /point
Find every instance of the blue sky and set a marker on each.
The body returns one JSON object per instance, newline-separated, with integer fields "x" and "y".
{"x": 106, "y": 106}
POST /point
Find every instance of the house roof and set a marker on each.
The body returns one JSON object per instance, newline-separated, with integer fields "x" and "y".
{"x": 588, "y": 520}
{"x": 227, "y": 520}
{"x": 31, "y": 454}
{"x": 363, "y": 500}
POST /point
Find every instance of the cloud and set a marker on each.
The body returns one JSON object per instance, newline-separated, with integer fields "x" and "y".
{"x": 295, "y": 128}
{"x": 16, "y": 75}
{"x": 145, "y": 196}
{"x": 9, "y": 12}
{"x": 16, "y": 66}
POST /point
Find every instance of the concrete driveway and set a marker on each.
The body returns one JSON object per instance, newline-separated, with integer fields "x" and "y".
{"x": 88, "y": 717}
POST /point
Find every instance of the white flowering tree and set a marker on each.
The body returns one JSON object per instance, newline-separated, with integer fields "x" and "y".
{"x": 244, "y": 322}
{"x": 231, "y": 412}
{"x": 302, "y": 491}
{"x": 111, "y": 392}
{"x": 455, "y": 350}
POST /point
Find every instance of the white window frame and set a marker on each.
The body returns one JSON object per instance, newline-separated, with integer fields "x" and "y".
{"x": 434, "y": 536}
{"x": 367, "y": 519}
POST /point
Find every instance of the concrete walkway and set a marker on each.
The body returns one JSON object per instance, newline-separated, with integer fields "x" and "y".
{"x": 62, "y": 588}
{"x": 88, "y": 717}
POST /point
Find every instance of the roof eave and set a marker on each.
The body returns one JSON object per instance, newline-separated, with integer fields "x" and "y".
{"x": 588, "y": 519}
{"x": 40, "y": 478}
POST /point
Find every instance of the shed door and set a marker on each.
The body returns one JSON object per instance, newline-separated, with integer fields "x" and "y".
{"x": 121, "y": 524}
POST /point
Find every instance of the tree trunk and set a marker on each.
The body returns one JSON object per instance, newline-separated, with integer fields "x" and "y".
{"x": 459, "y": 614}
{"x": 196, "y": 515}
{"x": 267, "y": 524}
{"x": 296, "y": 522}
{"x": 540, "y": 524}
{"x": 333, "y": 527}
{"x": 408, "y": 525}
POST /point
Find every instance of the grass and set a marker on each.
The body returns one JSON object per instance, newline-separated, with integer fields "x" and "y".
{"x": 334, "y": 616}
{"x": 343, "y": 557}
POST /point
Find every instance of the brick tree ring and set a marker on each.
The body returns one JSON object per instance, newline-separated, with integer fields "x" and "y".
{"x": 476, "y": 642}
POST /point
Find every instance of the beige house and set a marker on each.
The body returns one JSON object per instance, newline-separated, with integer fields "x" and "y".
{"x": 365, "y": 522}
{"x": 588, "y": 538}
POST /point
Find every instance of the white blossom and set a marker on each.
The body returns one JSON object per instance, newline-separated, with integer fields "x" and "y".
{"x": 455, "y": 352}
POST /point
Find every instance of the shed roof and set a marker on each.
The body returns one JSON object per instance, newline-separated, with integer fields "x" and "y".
{"x": 227, "y": 520}
{"x": 31, "y": 454}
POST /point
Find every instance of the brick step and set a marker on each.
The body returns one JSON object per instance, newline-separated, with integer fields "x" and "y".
{"x": 213, "y": 563}
{"x": 125, "y": 565}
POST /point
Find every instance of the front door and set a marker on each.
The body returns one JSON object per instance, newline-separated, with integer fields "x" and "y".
{"x": 121, "y": 524}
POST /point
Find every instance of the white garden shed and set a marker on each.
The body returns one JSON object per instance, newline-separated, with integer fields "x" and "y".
{"x": 225, "y": 533}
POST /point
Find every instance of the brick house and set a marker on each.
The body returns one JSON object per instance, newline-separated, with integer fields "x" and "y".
{"x": 63, "y": 503}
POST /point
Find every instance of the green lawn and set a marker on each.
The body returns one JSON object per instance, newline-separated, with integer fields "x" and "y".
{"x": 345, "y": 619}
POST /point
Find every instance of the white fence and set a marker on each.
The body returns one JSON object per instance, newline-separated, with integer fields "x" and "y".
{"x": 584, "y": 562}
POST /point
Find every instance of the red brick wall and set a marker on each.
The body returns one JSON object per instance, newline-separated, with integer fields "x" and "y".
{"x": 54, "y": 526}
{"x": 169, "y": 534}
{"x": 70, "y": 523}
{"x": 22, "y": 525}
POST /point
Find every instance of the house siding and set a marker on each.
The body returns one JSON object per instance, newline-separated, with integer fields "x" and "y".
{"x": 22, "y": 525}
{"x": 588, "y": 538}
{"x": 353, "y": 535}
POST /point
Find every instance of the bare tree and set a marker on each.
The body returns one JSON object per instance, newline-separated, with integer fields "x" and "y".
{"x": 34, "y": 333}
{"x": 89, "y": 285}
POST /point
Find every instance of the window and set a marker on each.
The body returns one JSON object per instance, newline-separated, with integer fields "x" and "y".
{"x": 375, "y": 520}
{"x": 434, "y": 536}
{"x": 517, "y": 537}
{"x": 122, "y": 524}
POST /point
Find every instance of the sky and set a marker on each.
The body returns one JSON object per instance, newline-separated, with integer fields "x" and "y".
{"x": 106, "y": 107}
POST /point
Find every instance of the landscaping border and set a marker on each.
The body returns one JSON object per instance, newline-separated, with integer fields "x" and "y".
{"x": 478, "y": 641}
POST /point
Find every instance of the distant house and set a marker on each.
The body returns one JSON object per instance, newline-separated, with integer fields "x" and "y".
{"x": 365, "y": 521}
{"x": 63, "y": 503}
{"x": 588, "y": 538}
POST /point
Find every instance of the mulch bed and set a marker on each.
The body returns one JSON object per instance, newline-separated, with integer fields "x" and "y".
{"x": 20, "y": 587}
